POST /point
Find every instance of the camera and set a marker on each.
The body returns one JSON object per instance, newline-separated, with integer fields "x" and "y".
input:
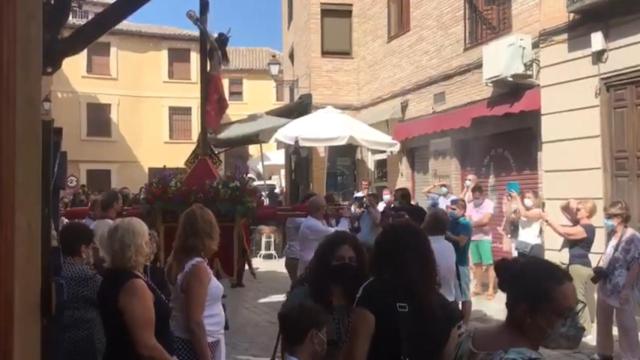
{"x": 599, "y": 274}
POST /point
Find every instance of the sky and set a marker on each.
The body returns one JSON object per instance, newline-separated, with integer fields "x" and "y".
{"x": 253, "y": 23}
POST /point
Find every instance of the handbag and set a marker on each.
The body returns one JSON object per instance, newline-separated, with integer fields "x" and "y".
{"x": 568, "y": 335}
{"x": 523, "y": 247}
{"x": 602, "y": 273}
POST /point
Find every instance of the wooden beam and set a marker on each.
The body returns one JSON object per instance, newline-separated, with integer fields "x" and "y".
{"x": 59, "y": 49}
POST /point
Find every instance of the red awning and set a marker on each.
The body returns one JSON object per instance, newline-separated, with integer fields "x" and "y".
{"x": 511, "y": 103}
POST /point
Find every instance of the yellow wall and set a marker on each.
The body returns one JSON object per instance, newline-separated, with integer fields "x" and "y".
{"x": 140, "y": 96}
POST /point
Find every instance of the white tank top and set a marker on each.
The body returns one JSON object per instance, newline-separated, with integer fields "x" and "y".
{"x": 530, "y": 231}
{"x": 213, "y": 316}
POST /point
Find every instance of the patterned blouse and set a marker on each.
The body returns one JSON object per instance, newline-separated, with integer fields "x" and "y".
{"x": 466, "y": 351}
{"x": 83, "y": 335}
{"x": 618, "y": 263}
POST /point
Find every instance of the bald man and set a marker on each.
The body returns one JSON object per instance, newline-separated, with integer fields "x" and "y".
{"x": 314, "y": 229}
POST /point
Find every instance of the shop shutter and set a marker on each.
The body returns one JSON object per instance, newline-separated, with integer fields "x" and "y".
{"x": 497, "y": 160}
{"x": 421, "y": 176}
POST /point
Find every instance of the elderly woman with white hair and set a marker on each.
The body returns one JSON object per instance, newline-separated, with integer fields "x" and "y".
{"x": 135, "y": 314}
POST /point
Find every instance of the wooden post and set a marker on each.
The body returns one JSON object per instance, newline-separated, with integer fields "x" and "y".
{"x": 203, "y": 143}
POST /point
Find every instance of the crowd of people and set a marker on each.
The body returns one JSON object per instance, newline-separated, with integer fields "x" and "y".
{"x": 382, "y": 278}
{"x": 390, "y": 279}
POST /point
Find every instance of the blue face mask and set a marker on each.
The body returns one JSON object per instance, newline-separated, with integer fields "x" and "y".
{"x": 609, "y": 225}
{"x": 453, "y": 215}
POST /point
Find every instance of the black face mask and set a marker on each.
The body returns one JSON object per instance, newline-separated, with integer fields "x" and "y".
{"x": 345, "y": 275}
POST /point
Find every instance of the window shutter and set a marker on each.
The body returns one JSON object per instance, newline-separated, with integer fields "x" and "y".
{"x": 98, "y": 180}
{"x": 336, "y": 31}
{"x": 98, "y": 59}
{"x": 235, "y": 90}
{"x": 180, "y": 123}
{"x": 179, "y": 64}
{"x": 99, "y": 120}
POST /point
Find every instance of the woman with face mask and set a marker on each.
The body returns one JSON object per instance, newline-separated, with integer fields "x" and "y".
{"x": 578, "y": 237}
{"x": 332, "y": 279}
{"x": 540, "y": 296}
{"x": 81, "y": 331}
{"x": 529, "y": 240}
{"x": 618, "y": 285}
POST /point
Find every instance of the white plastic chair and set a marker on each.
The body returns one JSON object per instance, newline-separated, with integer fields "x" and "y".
{"x": 268, "y": 246}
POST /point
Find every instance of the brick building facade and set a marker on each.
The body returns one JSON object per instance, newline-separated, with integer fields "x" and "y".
{"x": 407, "y": 59}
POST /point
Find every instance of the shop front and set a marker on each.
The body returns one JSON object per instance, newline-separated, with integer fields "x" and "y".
{"x": 498, "y": 140}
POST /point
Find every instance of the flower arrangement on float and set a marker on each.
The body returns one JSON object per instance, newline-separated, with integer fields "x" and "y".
{"x": 227, "y": 196}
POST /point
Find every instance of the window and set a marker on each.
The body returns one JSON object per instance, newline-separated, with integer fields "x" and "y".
{"x": 179, "y": 64}
{"x": 292, "y": 57}
{"x": 98, "y": 180}
{"x": 289, "y": 12}
{"x": 99, "y": 120}
{"x": 80, "y": 14}
{"x": 279, "y": 92}
{"x": 180, "y": 123}
{"x": 336, "y": 30}
{"x": 486, "y": 20}
{"x": 380, "y": 170}
{"x": 98, "y": 59}
{"x": 399, "y": 18}
{"x": 235, "y": 90}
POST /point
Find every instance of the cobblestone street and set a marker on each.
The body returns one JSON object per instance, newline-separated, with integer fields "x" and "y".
{"x": 252, "y": 315}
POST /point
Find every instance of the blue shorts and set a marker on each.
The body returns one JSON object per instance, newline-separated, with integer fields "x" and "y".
{"x": 463, "y": 290}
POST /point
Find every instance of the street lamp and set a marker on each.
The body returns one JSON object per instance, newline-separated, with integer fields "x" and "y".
{"x": 275, "y": 66}
{"x": 46, "y": 106}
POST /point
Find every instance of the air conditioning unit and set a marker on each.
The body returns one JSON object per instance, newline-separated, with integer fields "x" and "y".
{"x": 508, "y": 59}
{"x": 579, "y": 6}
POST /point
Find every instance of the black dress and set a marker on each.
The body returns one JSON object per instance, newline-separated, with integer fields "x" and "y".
{"x": 119, "y": 343}
{"x": 82, "y": 332}
{"x": 425, "y": 335}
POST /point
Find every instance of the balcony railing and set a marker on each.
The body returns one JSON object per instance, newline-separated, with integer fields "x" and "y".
{"x": 487, "y": 23}
{"x": 578, "y": 6}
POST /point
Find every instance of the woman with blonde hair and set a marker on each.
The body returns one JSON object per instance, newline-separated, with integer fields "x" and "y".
{"x": 134, "y": 313}
{"x": 578, "y": 241}
{"x": 196, "y": 295}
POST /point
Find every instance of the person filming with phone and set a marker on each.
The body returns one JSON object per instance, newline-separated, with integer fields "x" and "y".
{"x": 578, "y": 237}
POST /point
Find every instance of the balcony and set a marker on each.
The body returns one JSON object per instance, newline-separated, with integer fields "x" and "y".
{"x": 580, "y": 6}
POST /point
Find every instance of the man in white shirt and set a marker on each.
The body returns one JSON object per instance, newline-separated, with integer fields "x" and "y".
{"x": 110, "y": 206}
{"x": 314, "y": 229}
{"x": 438, "y": 195}
{"x": 435, "y": 225}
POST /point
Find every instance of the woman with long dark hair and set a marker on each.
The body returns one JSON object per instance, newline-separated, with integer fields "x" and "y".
{"x": 400, "y": 313}
{"x": 332, "y": 280}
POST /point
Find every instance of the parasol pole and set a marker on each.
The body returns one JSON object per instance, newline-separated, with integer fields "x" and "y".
{"x": 203, "y": 144}
{"x": 264, "y": 179}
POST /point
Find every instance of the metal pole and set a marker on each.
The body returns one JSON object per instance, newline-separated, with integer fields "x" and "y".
{"x": 203, "y": 143}
{"x": 264, "y": 179}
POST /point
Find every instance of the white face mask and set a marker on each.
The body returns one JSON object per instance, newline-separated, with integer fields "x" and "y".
{"x": 386, "y": 198}
{"x": 444, "y": 191}
{"x": 467, "y": 183}
{"x": 528, "y": 203}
